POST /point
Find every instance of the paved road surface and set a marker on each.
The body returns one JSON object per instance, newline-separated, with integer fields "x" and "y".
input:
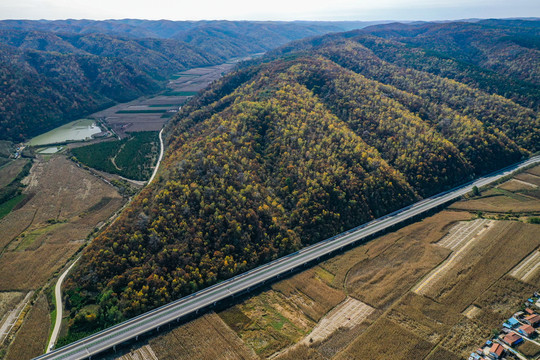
{"x": 160, "y": 156}
{"x": 141, "y": 324}
{"x": 59, "y": 308}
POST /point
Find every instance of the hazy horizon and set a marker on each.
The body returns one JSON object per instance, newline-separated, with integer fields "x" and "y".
{"x": 277, "y": 10}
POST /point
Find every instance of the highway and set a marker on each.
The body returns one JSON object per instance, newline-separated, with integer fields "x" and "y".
{"x": 153, "y": 319}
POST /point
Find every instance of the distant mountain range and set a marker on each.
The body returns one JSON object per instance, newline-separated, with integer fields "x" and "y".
{"x": 52, "y": 72}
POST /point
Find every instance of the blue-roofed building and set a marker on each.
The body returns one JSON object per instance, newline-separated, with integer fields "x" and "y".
{"x": 511, "y": 323}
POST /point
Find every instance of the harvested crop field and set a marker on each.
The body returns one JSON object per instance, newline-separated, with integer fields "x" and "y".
{"x": 530, "y": 349}
{"x": 528, "y": 267}
{"x": 460, "y": 234}
{"x": 513, "y": 239}
{"x": 31, "y": 339}
{"x": 501, "y": 201}
{"x": 529, "y": 177}
{"x": 52, "y": 222}
{"x": 516, "y": 185}
{"x": 205, "y": 338}
{"x": 346, "y": 315}
{"x": 309, "y": 291}
{"x": 371, "y": 344}
{"x": 470, "y": 248}
{"x": 143, "y": 353}
{"x": 442, "y": 354}
{"x": 9, "y": 171}
{"x": 501, "y": 300}
{"x": 151, "y": 114}
{"x": 381, "y": 279}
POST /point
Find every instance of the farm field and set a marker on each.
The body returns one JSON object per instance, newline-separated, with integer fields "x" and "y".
{"x": 41, "y": 233}
{"x": 9, "y": 171}
{"x": 517, "y": 196}
{"x": 32, "y": 336}
{"x": 376, "y": 285}
{"x": 133, "y": 157}
{"x": 205, "y": 338}
{"x": 150, "y": 114}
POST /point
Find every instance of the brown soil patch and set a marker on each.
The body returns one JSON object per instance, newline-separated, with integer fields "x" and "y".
{"x": 535, "y": 171}
{"x": 346, "y": 315}
{"x": 472, "y": 311}
{"x": 516, "y": 185}
{"x": 529, "y": 177}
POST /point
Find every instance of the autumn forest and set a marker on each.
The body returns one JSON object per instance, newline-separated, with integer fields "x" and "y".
{"x": 312, "y": 139}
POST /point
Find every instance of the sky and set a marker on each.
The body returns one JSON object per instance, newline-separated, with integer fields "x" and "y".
{"x": 268, "y": 10}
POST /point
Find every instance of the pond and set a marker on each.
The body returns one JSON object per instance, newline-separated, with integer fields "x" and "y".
{"x": 78, "y": 130}
{"x": 51, "y": 150}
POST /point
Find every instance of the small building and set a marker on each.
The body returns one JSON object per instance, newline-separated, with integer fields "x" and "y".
{"x": 529, "y": 311}
{"x": 513, "y": 339}
{"x": 533, "y": 320}
{"x": 511, "y": 323}
{"x": 496, "y": 351}
{"x": 526, "y": 330}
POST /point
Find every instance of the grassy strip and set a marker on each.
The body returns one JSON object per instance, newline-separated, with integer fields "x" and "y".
{"x": 6, "y": 207}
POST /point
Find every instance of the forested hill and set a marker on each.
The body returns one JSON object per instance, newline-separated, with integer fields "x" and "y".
{"x": 48, "y": 79}
{"x": 52, "y": 72}
{"x": 320, "y": 137}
